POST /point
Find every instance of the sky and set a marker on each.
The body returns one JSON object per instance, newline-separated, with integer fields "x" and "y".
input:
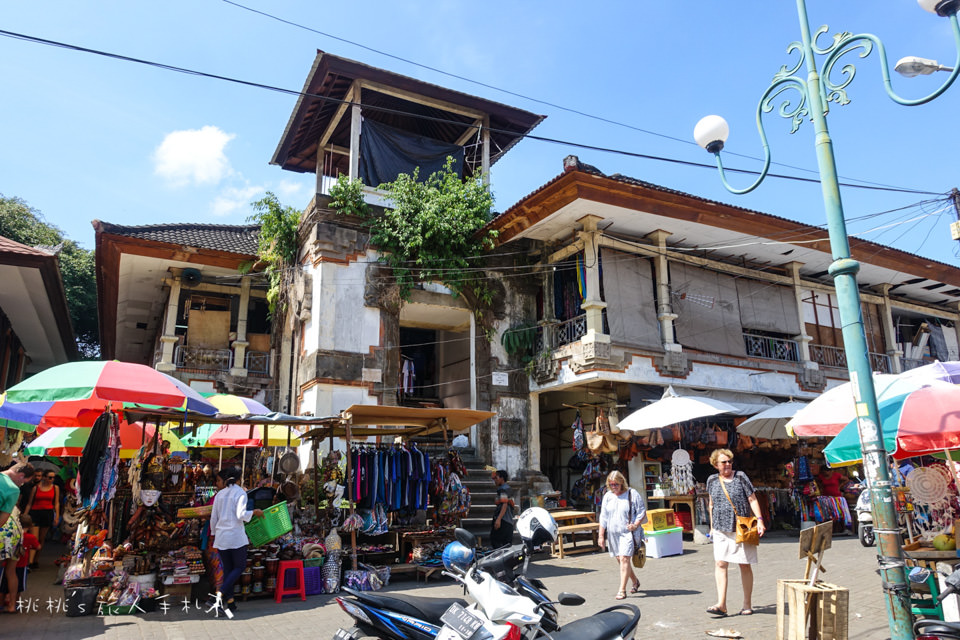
{"x": 86, "y": 137}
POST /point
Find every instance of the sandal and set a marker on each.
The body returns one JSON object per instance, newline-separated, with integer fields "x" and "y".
{"x": 716, "y": 611}
{"x": 636, "y": 587}
{"x": 621, "y": 595}
{"x": 746, "y": 612}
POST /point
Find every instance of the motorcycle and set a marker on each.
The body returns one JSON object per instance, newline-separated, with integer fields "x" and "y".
{"x": 503, "y": 614}
{"x": 933, "y": 628}
{"x": 865, "y": 519}
{"x": 398, "y": 616}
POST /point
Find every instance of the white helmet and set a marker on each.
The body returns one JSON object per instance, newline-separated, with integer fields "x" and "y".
{"x": 536, "y": 526}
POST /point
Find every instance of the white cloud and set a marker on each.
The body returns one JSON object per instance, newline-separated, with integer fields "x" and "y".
{"x": 288, "y": 189}
{"x": 194, "y": 156}
{"x": 235, "y": 199}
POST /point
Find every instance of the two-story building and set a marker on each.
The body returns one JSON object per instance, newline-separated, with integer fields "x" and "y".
{"x": 172, "y": 296}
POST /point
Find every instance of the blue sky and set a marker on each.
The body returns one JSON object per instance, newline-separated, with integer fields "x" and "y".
{"x": 87, "y": 137}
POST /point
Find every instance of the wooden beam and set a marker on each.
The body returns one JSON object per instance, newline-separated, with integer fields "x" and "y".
{"x": 419, "y": 99}
{"x": 352, "y": 95}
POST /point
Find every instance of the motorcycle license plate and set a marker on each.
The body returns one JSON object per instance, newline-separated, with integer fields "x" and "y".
{"x": 460, "y": 621}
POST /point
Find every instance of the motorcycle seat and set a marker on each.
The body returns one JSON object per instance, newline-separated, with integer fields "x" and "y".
{"x": 427, "y": 609}
{"x": 607, "y": 624}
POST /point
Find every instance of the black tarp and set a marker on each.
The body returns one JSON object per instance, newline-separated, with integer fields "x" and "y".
{"x": 386, "y": 152}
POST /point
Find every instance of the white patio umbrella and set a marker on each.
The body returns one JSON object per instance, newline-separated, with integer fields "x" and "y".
{"x": 772, "y": 423}
{"x": 672, "y": 409}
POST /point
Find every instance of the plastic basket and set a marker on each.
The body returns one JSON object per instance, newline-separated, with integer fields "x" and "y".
{"x": 274, "y": 523}
{"x": 312, "y": 562}
{"x": 312, "y": 580}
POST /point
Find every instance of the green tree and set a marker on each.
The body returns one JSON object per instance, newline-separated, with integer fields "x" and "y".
{"x": 24, "y": 224}
{"x": 277, "y": 242}
{"x": 431, "y": 229}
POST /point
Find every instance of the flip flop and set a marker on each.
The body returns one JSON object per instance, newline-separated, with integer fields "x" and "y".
{"x": 746, "y": 612}
{"x": 621, "y": 595}
{"x": 716, "y": 611}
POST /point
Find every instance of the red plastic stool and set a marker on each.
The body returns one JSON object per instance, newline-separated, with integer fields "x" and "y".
{"x": 282, "y": 588}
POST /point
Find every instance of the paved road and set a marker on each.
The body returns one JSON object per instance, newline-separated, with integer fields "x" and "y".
{"x": 675, "y": 592}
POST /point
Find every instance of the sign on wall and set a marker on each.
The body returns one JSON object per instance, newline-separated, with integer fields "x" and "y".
{"x": 510, "y": 431}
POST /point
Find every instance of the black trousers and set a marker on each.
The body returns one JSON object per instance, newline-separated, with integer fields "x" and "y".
{"x": 501, "y": 537}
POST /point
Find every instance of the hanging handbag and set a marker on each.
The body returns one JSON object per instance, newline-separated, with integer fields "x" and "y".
{"x": 746, "y": 526}
{"x": 600, "y": 440}
{"x": 721, "y": 435}
{"x": 640, "y": 552}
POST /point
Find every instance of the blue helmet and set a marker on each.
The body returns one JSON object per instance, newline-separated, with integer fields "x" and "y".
{"x": 457, "y": 555}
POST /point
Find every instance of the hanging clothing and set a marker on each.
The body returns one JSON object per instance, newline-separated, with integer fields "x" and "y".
{"x": 408, "y": 375}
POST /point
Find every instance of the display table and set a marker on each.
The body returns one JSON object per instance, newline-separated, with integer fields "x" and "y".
{"x": 569, "y": 525}
{"x": 687, "y": 500}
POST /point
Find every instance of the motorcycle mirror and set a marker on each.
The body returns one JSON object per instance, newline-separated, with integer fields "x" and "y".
{"x": 465, "y": 538}
{"x": 570, "y": 599}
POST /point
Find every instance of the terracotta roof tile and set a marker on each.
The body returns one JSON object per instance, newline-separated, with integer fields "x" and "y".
{"x": 11, "y": 246}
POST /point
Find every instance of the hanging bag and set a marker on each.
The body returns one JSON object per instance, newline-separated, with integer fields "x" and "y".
{"x": 579, "y": 442}
{"x": 640, "y": 552}
{"x": 746, "y": 526}
{"x": 601, "y": 440}
{"x": 721, "y": 435}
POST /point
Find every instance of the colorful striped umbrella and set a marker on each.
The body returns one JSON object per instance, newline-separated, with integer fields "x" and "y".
{"x": 237, "y": 405}
{"x": 69, "y": 441}
{"x": 926, "y": 421}
{"x": 109, "y": 381}
{"x": 238, "y": 435}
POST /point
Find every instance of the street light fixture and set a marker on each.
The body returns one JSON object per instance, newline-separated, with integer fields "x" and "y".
{"x": 817, "y": 90}
{"x": 912, "y": 66}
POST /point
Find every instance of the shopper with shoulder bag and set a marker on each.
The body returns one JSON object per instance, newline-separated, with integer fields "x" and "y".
{"x": 736, "y": 526}
{"x": 622, "y": 513}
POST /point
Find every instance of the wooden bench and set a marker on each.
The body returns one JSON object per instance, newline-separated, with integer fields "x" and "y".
{"x": 571, "y": 531}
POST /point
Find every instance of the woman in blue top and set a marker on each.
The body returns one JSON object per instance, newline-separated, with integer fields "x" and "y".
{"x": 227, "y": 534}
{"x": 621, "y": 515}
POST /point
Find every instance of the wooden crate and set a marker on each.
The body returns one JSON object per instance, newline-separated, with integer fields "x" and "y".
{"x": 820, "y": 612}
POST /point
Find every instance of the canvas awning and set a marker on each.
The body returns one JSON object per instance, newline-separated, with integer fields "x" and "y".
{"x": 684, "y": 405}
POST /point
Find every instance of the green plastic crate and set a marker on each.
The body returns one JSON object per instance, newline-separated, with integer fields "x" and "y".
{"x": 312, "y": 562}
{"x": 274, "y": 523}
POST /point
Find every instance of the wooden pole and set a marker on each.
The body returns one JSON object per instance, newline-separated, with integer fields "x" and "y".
{"x": 316, "y": 479}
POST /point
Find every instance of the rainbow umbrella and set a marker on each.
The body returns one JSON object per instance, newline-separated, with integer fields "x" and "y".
{"x": 237, "y": 405}
{"x": 69, "y": 441}
{"x": 925, "y": 421}
{"x": 830, "y": 412}
{"x": 198, "y": 439}
{"x": 19, "y": 417}
{"x": 109, "y": 381}
{"x": 238, "y": 435}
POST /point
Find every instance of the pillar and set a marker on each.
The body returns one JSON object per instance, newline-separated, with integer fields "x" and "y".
{"x": 169, "y": 336}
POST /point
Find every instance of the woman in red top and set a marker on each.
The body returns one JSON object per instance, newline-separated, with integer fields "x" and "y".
{"x": 44, "y": 507}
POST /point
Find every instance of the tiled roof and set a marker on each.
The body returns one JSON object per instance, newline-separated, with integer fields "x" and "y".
{"x": 11, "y": 246}
{"x": 240, "y": 239}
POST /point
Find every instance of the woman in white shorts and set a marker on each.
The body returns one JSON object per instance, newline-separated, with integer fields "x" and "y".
{"x": 723, "y": 518}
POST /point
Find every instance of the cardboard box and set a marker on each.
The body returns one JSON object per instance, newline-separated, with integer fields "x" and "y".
{"x": 659, "y": 519}
{"x": 665, "y": 542}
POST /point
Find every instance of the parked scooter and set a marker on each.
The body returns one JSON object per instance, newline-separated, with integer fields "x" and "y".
{"x": 398, "y": 616}
{"x": 865, "y": 519}
{"x": 504, "y": 614}
{"x": 932, "y": 628}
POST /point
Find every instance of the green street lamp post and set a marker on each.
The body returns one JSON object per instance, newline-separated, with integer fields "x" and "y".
{"x": 817, "y": 91}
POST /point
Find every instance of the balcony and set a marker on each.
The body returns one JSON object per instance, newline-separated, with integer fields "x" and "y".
{"x": 759, "y": 346}
{"x": 186, "y": 357}
{"x": 836, "y": 358}
{"x": 554, "y": 336}
{"x": 258, "y": 363}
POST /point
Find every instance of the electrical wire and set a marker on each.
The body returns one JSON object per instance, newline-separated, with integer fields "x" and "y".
{"x": 513, "y": 93}
{"x": 258, "y": 85}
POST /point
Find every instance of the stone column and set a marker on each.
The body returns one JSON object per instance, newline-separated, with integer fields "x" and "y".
{"x": 169, "y": 336}
{"x": 240, "y": 345}
{"x": 665, "y": 314}
{"x": 803, "y": 340}
{"x": 889, "y": 331}
{"x": 592, "y": 304}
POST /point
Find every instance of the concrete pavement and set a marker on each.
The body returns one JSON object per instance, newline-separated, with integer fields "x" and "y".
{"x": 675, "y": 591}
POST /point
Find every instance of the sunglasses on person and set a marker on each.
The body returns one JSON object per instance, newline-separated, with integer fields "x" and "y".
{"x": 724, "y": 461}
{"x": 613, "y": 484}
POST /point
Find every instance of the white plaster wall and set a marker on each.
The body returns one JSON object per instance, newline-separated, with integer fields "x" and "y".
{"x": 508, "y": 456}
{"x": 339, "y": 319}
{"x": 702, "y": 376}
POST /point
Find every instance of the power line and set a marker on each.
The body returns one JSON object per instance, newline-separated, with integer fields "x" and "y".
{"x": 508, "y": 91}
{"x": 291, "y": 92}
